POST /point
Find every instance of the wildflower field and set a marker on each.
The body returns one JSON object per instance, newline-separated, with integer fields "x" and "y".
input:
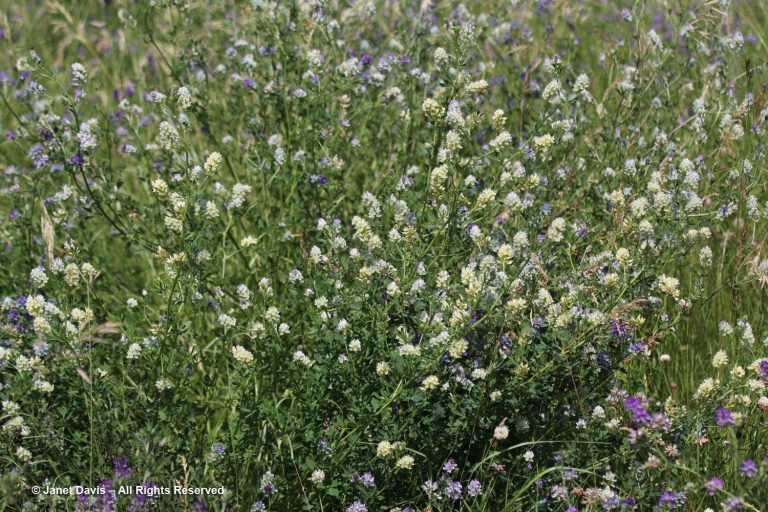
{"x": 383, "y": 256}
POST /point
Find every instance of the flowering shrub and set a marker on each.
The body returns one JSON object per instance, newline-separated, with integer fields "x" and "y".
{"x": 383, "y": 256}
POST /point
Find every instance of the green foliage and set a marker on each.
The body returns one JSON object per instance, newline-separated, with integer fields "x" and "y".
{"x": 383, "y": 256}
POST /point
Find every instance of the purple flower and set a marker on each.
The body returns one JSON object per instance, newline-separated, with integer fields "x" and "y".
{"x": 453, "y": 490}
{"x": 763, "y": 369}
{"x": 121, "y": 467}
{"x": 748, "y": 468}
{"x": 357, "y": 506}
{"x": 474, "y": 488}
{"x": 450, "y": 466}
{"x": 713, "y": 485}
{"x": 619, "y": 330}
{"x": 604, "y": 361}
{"x": 569, "y": 475}
{"x": 670, "y": 500}
{"x": 723, "y": 417}
{"x": 639, "y": 414}
{"x": 318, "y": 179}
{"x": 367, "y": 479}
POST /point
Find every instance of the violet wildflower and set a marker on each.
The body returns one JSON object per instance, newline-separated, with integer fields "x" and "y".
{"x": 748, "y": 468}
{"x": 639, "y": 414}
{"x": 713, "y": 485}
{"x": 724, "y": 417}
{"x": 453, "y": 490}
{"x": 357, "y": 506}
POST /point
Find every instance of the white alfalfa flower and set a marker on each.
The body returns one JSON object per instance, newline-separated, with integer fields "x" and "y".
{"x": 163, "y": 384}
{"x": 556, "y": 230}
{"x": 160, "y": 187}
{"x": 440, "y": 57}
{"x": 501, "y": 432}
{"x": 501, "y": 141}
{"x": 227, "y": 321}
{"x": 301, "y": 357}
{"x": 498, "y": 120}
{"x": 183, "y": 98}
{"x": 350, "y": 67}
{"x": 272, "y": 315}
{"x": 430, "y": 383}
{"x": 38, "y": 277}
{"x": 405, "y": 462}
{"x": 598, "y": 412}
{"x": 485, "y": 197}
{"x": 432, "y": 109}
{"x": 86, "y": 136}
{"x": 318, "y": 476}
{"x": 452, "y": 143}
{"x": 23, "y": 454}
{"x": 382, "y": 368}
{"x": 79, "y": 74}
{"x": 707, "y": 389}
{"x": 553, "y": 92}
{"x": 211, "y": 210}
{"x": 239, "y": 194}
{"x": 738, "y": 372}
{"x": 134, "y": 351}
{"x": 72, "y": 274}
{"x": 35, "y": 305}
{"x": 212, "y": 163}
{"x": 655, "y": 40}
{"x": 385, "y": 448}
{"x": 155, "y": 97}
{"x": 543, "y": 142}
{"x": 168, "y": 136}
{"x": 173, "y": 223}
{"x": 43, "y": 386}
{"x": 41, "y": 326}
{"x": 248, "y": 241}
{"x": 10, "y": 408}
{"x": 241, "y": 354}
{"x": 89, "y": 272}
{"x": 668, "y": 284}
{"x": 720, "y": 359}
{"x": 476, "y": 87}
{"x": 582, "y": 83}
